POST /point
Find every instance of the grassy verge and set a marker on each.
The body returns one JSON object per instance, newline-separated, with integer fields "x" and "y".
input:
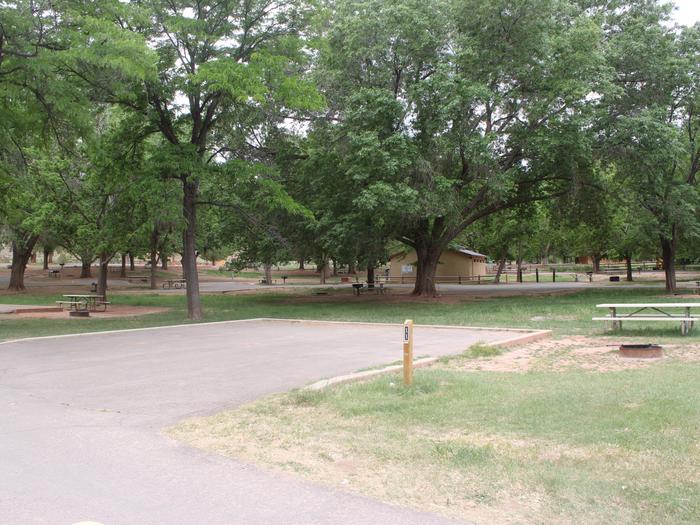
{"x": 565, "y": 314}
{"x": 539, "y": 447}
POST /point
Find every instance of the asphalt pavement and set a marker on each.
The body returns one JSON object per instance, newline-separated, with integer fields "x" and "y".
{"x": 84, "y": 418}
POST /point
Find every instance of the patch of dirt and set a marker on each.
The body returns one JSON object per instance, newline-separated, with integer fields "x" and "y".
{"x": 114, "y": 311}
{"x": 569, "y": 353}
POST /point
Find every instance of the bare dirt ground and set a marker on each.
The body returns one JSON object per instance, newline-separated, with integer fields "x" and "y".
{"x": 564, "y": 354}
{"x": 114, "y": 311}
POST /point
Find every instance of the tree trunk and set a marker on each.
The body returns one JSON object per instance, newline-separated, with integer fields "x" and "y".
{"x": 47, "y": 258}
{"x": 428, "y": 257}
{"x": 322, "y": 269}
{"x": 596, "y": 263}
{"x": 519, "y": 270}
{"x": 628, "y": 264}
{"x": 351, "y": 268}
{"x": 154, "y": 257}
{"x": 86, "y": 268}
{"x": 21, "y": 253}
{"x": 132, "y": 266}
{"x": 370, "y": 277}
{"x": 268, "y": 274}
{"x": 335, "y": 267}
{"x": 102, "y": 276}
{"x": 499, "y": 270}
{"x": 301, "y": 263}
{"x": 189, "y": 256}
{"x": 163, "y": 261}
{"x": 668, "y": 254}
{"x": 122, "y": 272}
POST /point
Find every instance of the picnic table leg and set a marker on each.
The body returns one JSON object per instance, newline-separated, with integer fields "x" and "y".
{"x": 616, "y": 325}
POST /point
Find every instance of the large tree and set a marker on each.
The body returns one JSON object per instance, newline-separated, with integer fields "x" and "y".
{"x": 651, "y": 128}
{"x": 473, "y": 106}
{"x": 216, "y": 60}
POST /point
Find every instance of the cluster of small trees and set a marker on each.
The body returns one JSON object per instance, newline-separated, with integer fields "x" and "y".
{"x": 289, "y": 129}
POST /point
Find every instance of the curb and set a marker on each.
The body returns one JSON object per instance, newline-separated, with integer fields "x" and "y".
{"x": 425, "y": 362}
{"x": 366, "y": 374}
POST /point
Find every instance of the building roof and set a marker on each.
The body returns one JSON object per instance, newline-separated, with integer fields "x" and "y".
{"x": 462, "y": 249}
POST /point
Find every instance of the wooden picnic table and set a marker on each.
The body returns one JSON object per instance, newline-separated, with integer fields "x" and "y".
{"x": 92, "y": 302}
{"x": 664, "y": 312}
{"x": 174, "y": 283}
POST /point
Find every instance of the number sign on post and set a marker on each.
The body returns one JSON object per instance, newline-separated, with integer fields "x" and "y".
{"x": 408, "y": 353}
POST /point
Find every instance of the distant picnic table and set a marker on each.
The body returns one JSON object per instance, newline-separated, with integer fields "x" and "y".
{"x": 174, "y": 283}
{"x": 91, "y": 302}
{"x": 138, "y": 278}
{"x": 652, "y": 312}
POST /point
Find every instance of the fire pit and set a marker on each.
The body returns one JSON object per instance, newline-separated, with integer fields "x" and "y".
{"x": 641, "y": 350}
{"x": 79, "y": 313}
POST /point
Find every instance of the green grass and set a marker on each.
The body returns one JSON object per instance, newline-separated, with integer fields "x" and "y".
{"x": 482, "y": 350}
{"x": 540, "y": 447}
{"x": 628, "y": 439}
{"x": 565, "y": 314}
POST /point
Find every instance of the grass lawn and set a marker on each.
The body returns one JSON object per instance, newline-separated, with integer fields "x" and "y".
{"x": 545, "y": 446}
{"x": 565, "y": 314}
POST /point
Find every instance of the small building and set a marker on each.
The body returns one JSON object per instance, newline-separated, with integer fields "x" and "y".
{"x": 454, "y": 265}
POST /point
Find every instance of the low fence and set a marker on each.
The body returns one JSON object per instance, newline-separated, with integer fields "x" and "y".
{"x": 507, "y": 276}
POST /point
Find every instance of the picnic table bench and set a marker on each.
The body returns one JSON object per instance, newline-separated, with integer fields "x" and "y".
{"x": 84, "y": 302}
{"x": 174, "y": 283}
{"x": 56, "y": 274}
{"x": 138, "y": 278}
{"x": 651, "y": 312}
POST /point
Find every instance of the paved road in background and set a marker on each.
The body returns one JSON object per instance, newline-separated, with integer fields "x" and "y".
{"x": 83, "y": 419}
{"x": 445, "y": 289}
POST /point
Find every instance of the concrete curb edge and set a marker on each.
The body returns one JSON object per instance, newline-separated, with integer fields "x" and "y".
{"x": 421, "y": 363}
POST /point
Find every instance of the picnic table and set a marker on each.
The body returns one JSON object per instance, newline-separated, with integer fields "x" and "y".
{"x": 377, "y": 286}
{"x": 138, "y": 278}
{"x": 664, "y": 312}
{"x": 83, "y": 302}
{"x": 174, "y": 283}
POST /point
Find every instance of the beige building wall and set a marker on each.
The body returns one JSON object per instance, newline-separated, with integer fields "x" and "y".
{"x": 452, "y": 264}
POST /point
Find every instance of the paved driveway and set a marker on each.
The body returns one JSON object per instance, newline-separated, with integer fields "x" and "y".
{"x": 83, "y": 417}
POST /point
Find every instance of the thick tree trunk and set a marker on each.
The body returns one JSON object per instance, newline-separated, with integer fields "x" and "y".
{"x": 668, "y": 254}
{"x": 301, "y": 263}
{"x": 189, "y": 256}
{"x": 428, "y": 257}
{"x": 86, "y": 268}
{"x": 132, "y": 265}
{"x": 352, "y": 270}
{"x": 21, "y": 253}
{"x": 596, "y": 264}
{"x": 163, "y": 261}
{"x": 628, "y": 265}
{"x": 102, "y": 275}
{"x": 47, "y": 258}
{"x": 122, "y": 272}
{"x": 370, "y": 277}
{"x": 519, "y": 270}
{"x": 268, "y": 274}
{"x": 499, "y": 270}
{"x": 335, "y": 267}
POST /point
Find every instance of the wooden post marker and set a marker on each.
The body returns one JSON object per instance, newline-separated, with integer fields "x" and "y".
{"x": 408, "y": 353}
